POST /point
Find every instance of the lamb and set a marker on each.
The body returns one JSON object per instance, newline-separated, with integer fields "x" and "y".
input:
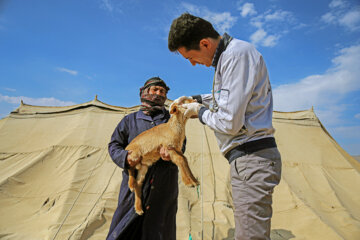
{"x": 146, "y": 147}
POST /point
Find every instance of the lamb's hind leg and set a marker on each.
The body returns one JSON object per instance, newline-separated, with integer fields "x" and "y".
{"x": 180, "y": 160}
{"x": 135, "y": 156}
{"x": 132, "y": 181}
{"x": 138, "y": 188}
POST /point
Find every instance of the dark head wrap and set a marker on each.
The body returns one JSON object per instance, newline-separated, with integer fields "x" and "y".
{"x": 152, "y": 103}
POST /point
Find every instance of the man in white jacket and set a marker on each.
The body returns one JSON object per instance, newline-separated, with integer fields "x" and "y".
{"x": 240, "y": 112}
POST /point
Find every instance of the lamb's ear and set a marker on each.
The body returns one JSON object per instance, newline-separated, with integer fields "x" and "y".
{"x": 173, "y": 108}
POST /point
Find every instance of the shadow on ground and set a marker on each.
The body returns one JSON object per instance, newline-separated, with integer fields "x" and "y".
{"x": 276, "y": 234}
{"x": 281, "y": 234}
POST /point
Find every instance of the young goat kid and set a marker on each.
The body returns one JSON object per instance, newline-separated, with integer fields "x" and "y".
{"x": 146, "y": 147}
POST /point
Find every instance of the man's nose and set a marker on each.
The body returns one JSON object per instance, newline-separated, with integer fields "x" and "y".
{"x": 159, "y": 92}
{"x": 192, "y": 62}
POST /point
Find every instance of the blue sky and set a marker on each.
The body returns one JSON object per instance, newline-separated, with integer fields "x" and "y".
{"x": 65, "y": 52}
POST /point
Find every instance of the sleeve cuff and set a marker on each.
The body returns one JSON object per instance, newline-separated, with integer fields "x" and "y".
{"x": 122, "y": 160}
{"x": 201, "y": 112}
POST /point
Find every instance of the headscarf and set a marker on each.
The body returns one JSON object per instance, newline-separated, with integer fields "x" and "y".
{"x": 152, "y": 103}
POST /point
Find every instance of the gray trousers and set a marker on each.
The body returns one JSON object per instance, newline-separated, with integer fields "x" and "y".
{"x": 253, "y": 178}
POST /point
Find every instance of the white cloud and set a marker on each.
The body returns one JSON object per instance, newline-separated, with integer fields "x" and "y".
{"x": 324, "y": 91}
{"x": 357, "y": 116}
{"x": 191, "y": 8}
{"x": 72, "y": 72}
{"x": 260, "y": 37}
{"x": 222, "y": 22}
{"x": 35, "y": 101}
{"x": 247, "y": 9}
{"x": 256, "y": 23}
{"x": 337, "y": 3}
{"x": 271, "y": 26}
{"x": 350, "y": 138}
{"x": 278, "y": 15}
{"x": 270, "y": 41}
{"x": 107, "y": 5}
{"x": 328, "y": 18}
{"x": 112, "y": 6}
{"x": 341, "y": 13}
{"x": 331, "y": 115}
{"x": 349, "y": 132}
{"x": 351, "y": 19}
{"x": 10, "y": 89}
{"x": 271, "y": 17}
{"x": 300, "y": 26}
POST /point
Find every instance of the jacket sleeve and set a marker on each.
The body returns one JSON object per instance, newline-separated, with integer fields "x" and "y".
{"x": 118, "y": 143}
{"x": 238, "y": 78}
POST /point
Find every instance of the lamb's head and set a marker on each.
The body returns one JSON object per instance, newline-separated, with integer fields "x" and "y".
{"x": 180, "y": 111}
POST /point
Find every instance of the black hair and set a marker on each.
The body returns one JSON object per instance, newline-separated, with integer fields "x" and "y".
{"x": 187, "y": 31}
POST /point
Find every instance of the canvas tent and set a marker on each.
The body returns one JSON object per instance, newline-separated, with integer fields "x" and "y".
{"x": 57, "y": 180}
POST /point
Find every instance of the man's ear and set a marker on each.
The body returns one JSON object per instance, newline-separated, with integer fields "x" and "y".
{"x": 173, "y": 108}
{"x": 205, "y": 43}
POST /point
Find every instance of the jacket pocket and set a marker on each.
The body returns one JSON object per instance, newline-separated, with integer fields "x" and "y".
{"x": 238, "y": 169}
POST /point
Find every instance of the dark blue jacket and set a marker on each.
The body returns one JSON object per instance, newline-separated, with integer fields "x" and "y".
{"x": 160, "y": 189}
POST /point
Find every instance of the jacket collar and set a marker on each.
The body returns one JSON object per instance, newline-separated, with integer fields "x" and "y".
{"x": 162, "y": 114}
{"x": 224, "y": 42}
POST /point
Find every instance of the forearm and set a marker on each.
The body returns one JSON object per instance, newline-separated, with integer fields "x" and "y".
{"x": 118, "y": 154}
{"x": 118, "y": 143}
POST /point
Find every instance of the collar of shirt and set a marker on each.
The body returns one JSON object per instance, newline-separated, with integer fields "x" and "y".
{"x": 224, "y": 42}
{"x": 160, "y": 115}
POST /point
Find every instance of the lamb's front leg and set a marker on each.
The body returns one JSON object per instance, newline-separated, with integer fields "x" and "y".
{"x": 180, "y": 160}
{"x": 138, "y": 188}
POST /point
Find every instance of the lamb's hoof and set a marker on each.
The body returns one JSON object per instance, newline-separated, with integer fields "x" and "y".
{"x": 197, "y": 183}
{"x": 192, "y": 183}
{"x": 139, "y": 212}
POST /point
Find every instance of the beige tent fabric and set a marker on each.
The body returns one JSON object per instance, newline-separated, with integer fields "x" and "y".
{"x": 57, "y": 180}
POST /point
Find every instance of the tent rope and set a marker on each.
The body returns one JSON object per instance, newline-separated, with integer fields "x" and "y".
{"x": 77, "y": 197}
{"x": 199, "y": 190}
{"x": 97, "y": 201}
{"x": 202, "y": 192}
{"x": 211, "y": 161}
